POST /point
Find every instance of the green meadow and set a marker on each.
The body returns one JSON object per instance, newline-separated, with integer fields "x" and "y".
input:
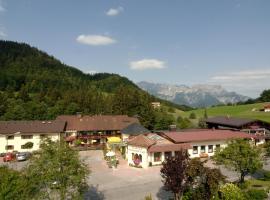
{"x": 244, "y": 111}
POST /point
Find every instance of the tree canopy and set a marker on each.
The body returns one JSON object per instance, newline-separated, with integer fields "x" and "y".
{"x": 240, "y": 156}
{"x": 57, "y": 172}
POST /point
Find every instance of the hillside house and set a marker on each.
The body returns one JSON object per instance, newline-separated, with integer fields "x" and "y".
{"x": 267, "y": 108}
{"x": 251, "y": 126}
{"x": 15, "y": 134}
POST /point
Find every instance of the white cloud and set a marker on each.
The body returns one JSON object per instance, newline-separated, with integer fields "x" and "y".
{"x": 114, "y": 11}
{"x": 147, "y": 64}
{"x": 2, "y": 9}
{"x": 243, "y": 75}
{"x": 2, "y": 34}
{"x": 91, "y": 72}
{"x": 248, "y": 82}
{"x": 95, "y": 40}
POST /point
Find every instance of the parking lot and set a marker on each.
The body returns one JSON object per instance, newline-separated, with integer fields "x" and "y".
{"x": 124, "y": 182}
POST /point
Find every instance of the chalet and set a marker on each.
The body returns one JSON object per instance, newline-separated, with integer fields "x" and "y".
{"x": 155, "y": 105}
{"x": 267, "y": 108}
{"x": 15, "y": 134}
{"x": 251, "y": 126}
{"x": 153, "y": 148}
{"x": 95, "y": 130}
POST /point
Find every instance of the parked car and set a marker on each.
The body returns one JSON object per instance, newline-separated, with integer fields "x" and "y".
{"x": 2, "y": 154}
{"x": 23, "y": 156}
{"x": 9, "y": 157}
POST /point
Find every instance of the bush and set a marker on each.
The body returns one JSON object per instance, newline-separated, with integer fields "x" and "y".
{"x": 28, "y": 145}
{"x": 171, "y": 110}
{"x": 256, "y": 194}
{"x": 229, "y": 191}
{"x": 192, "y": 115}
{"x": 148, "y": 197}
{"x": 77, "y": 142}
{"x": 266, "y": 175}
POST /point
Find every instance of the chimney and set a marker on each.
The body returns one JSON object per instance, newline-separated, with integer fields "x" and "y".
{"x": 79, "y": 114}
{"x": 172, "y": 127}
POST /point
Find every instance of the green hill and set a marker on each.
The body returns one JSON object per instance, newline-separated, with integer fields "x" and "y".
{"x": 35, "y": 85}
{"x": 244, "y": 111}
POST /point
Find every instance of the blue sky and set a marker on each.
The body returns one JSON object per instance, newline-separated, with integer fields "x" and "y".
{"x": 225, "y": 42}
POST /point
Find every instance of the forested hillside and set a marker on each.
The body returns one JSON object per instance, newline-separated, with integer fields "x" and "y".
{"x": 34, "y": 85}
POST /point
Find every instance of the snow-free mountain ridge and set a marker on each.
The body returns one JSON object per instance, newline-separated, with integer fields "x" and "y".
{"x": 201, "y": 95}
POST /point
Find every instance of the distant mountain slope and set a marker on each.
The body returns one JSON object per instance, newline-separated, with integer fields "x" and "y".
{"x": 195, "y": 96}
{"x": 34, "y": 85}
{"x": 21, "y": 64}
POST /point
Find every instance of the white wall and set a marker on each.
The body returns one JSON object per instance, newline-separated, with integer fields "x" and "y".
{"x": 222, "y": 144}
{"x": 18, "y": 141}
{"x": 138, "y": 150}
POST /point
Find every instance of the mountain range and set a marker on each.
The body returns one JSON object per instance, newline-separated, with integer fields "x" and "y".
{"x": 195, "y": 96}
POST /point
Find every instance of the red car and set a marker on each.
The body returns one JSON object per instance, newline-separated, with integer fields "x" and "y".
{"x": 9, "y": 157}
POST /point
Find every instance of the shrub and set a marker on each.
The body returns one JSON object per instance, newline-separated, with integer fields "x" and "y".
{"x": 266, "y": 175}
{"x": 171, "y": 110}
{"x": 254, "y": 194}
{"x": 148, "y": 197}
{"x": 77, "y": 142}
{"x": 28, "y": 145}
{"x": 229, "y": 191}
{"x": 192, "y": 115}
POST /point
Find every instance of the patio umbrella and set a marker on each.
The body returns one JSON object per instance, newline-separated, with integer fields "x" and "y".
{"x": 110, "y": 154}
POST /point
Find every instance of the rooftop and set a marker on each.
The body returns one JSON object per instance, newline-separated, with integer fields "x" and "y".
{"x": 141, "y": 141}
{"x": 206, "y": 135}
{"x": 229, "y": 121}
{"x": 135, "y": 129}
{"x": 11, "y": 127}
{"x": 97, "y": 122}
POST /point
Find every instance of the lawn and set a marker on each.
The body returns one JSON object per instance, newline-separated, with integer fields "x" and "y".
{"x": 244, "y": 111}
{"x": 258, "y": 184}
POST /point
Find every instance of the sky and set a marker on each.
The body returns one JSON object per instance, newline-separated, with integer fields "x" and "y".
{"x": 223, "y": 42}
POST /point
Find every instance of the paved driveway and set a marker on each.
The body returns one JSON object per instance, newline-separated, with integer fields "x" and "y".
{"x": 125, "y": 183}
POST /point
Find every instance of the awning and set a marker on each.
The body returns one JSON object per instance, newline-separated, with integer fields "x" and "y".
{"x": 113, "y": 140}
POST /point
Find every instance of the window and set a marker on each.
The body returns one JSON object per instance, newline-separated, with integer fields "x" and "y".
{"x": 9, "y": 147}
{"x": 210, "y": 148}
{"x": 168, "y": 154}
{"x": 42, "y": 136}
{"x": 10, "y": 137}
{"x": 157, "y": 156}
{"x": 177, "y": 153}
{"x": 202, "y": 149}
{"x": 217, "y": 146}
{"x": 195, "y": 149}
{"x": 27, "y": 136}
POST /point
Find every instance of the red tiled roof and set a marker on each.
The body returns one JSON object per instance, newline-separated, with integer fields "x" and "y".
{"x": 168, "y": 147}
{"x": 141, "y": 141}
{"x": 210, "y": 135}
{"x": 97, "y": 122}
{"x": 11, "y": 127}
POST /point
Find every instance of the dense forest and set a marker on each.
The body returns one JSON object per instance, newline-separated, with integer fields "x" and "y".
{"x": 34, "y": 85}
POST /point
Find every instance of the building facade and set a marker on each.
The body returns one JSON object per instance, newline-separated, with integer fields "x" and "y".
{"x": 95, "y": 130}
{"x": 153, "y": 149}
{"x": 26, "y": 136}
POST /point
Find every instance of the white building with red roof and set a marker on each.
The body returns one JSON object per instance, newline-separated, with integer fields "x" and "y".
{"x": 152, "y": 149}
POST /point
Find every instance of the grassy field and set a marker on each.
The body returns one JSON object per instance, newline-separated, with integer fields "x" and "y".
{"x": 243, "y": 111}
